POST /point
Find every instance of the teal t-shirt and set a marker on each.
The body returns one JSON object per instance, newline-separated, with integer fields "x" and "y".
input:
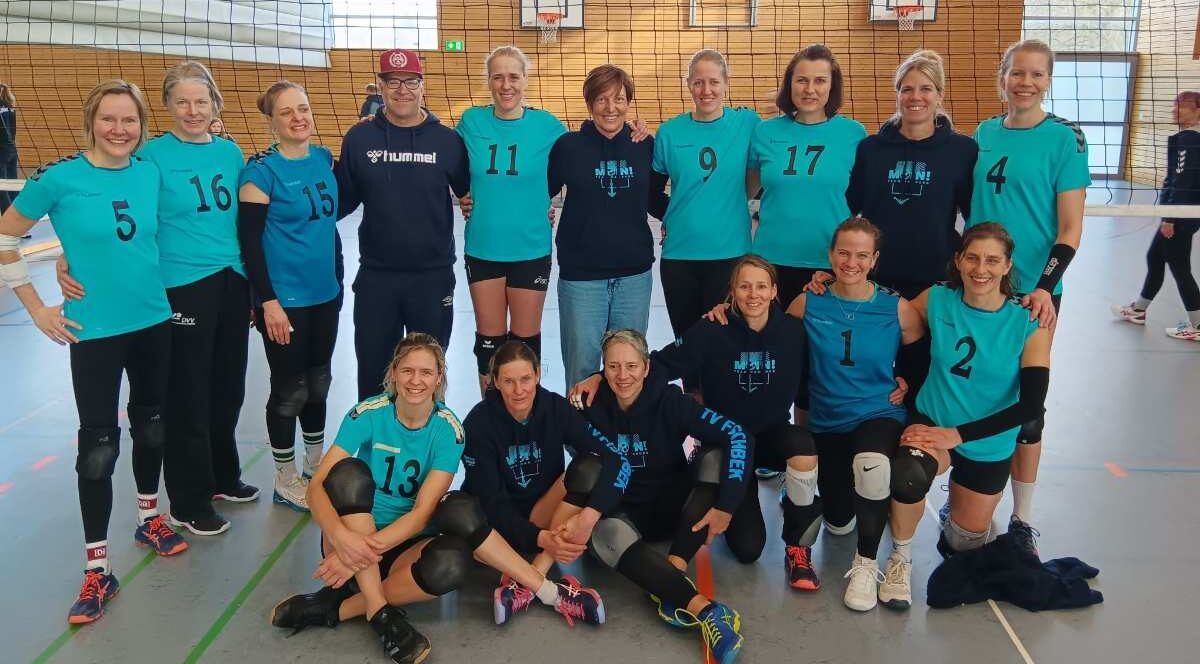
{"x": 107, "y": 220}
{"x": 197, "y": 213}
{"x": 805, "y": 169}
{"x": 509, "y": 160}
{"x": 298, "y": 240}
{"x": 975, "y": 367}
{"x": 1018, "y": 177}
{"x": 708, "y": 218}
{"x": 400, "y": 458}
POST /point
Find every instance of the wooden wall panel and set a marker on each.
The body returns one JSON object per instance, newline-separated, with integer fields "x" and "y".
{"x": 648, "y": 37}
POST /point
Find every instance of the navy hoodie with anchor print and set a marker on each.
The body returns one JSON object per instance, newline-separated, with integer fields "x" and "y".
{"x": 510, "y": 465}
{"x": 651, "y": 435}
{"x": 403, "y": 176}
{"x": 913, "y": 191}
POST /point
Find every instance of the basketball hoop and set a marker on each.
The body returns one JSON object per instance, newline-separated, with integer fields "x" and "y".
{"x": 547, "y": 23}
{"x": 906, "y": 16}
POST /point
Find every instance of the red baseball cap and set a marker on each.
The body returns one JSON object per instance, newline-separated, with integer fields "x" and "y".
{"x": 400, "y": 60}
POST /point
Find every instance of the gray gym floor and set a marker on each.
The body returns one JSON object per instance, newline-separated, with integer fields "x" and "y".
{"x": 1120, "y": 478}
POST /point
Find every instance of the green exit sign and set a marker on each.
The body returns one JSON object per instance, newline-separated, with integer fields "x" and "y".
{"x": 456, "y": 46}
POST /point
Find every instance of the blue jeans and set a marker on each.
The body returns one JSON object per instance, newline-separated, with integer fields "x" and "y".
{"x": 588, "y": 309}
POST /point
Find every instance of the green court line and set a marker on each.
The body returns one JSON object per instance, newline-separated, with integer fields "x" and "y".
{"x": 70, "y": 631}
{"x": 217, "y": 627}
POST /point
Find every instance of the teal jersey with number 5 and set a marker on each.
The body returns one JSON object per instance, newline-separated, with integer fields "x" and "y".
{"x": 509, "y": 160}
{"x": 107, "y": 220}
{"x": 1018, "y": 177}
{"x": 707, "y": 218}
{"x": 805, "y": 169}
{"x": 975, "y": 367}
{"x": 399, "y": 458}
{"x": 197, "y": 207}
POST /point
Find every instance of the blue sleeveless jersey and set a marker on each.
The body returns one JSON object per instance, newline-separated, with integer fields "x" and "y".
{"x": 975, "y": 367}
{"x": 852, "y": 353}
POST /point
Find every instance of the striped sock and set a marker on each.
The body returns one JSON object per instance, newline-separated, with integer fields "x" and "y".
{"x": 314, "y": 445}
{"x": 147, "y": 506}
{"x": 97, "y": 555}
{"x": 285, "y": 461}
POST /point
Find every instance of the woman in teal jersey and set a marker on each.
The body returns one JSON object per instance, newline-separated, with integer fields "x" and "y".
{"x": 210, "y": 300}
{"x": 287, "y": 227}
{"x": 103, "y": 203}
{"x": 989, "y": 372}
{"x": 1032, "y": 177}
{"x": 707, "y": 226}
{"x": 390, "y": 522}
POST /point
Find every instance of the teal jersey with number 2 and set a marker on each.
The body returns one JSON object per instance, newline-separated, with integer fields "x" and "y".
{"x": 399, "y": 458}
{"x": 509, "y": 159}
{"x": 1018, "y": 177}
{"x": 708, "y": 218}
{"x": 975, "y": 367}
{"x": 107, "y": 220}
{"x": 197, "y": 207}
{"x": 805, "y": 169}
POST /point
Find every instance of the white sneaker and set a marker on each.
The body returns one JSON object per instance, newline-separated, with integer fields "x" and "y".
{"x": 895, "y": 592}
{"x": 290, "y": 492}
{"x": 1184, "y": 331}
{"x": 1129, "y": 313}
{"x": 863, "y": 589}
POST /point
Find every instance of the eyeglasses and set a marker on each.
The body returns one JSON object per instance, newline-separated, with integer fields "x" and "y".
{"x": 395, "y": 83}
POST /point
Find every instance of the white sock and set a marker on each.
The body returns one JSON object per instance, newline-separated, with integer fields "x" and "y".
{"x": 285, "y": 472}
{"x": 902, "y": 549}
{"x": 314, "y": 445}
{"x": 147, "y": 506}
{"x": 1141, "y": 303}
{"x": 548, "y": 593}
{"x": 1194, "y": 318}
{"x": 800, "y": 486}
{"x": 97, "y": 555}
{"x": 1023, "y": 500}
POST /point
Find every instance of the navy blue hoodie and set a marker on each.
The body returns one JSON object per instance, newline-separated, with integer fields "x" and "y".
{"x": 651, "y": 434}
{"x": 603, "y": 232}
{"x": 913, "y": 191}
{"x": 510, "y": 465}
{"x": 750, "y": 376}
{"x": 1181, "y": 186}
{"x": 402, "y": 176}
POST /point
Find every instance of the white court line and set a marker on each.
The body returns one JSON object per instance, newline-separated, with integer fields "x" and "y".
{"x": 30, "y": 415}
{"x": 1012, "y": 635}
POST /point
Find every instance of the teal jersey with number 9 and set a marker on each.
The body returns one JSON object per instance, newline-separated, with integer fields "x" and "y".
{"x": 197, "y": 207}
{"x": 805, "y": 169}
{"x": 1018, "y": 177}
{"x": 399, "y": 458}
{"x": 975, "y": 367}
{"x": 107, "y": 220}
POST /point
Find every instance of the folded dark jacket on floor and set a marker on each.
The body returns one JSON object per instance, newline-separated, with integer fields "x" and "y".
{"x": 1000, "y": 571}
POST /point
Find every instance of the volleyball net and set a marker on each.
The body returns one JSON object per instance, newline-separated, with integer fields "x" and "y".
{"x": 1120, "y": 62}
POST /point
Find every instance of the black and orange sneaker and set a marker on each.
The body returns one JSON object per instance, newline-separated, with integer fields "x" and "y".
{"x": 98, "y": 588}
{"x": 156, "y": 534}
{"x": 801, "y": 575}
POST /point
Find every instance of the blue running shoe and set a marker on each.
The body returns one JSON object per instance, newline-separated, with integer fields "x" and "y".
{"x": 719, "y": 625}
{"x": 156, "y": 534}
{"x": 97, "y": 589}
{"x": 675, "y": 616}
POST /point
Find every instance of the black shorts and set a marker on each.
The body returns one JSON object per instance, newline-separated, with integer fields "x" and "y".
{"x": 986, "y": 477}
{"x": 792, "y": 281}
{"x": 658, "y": 519}
{"x": 530, "y": 275}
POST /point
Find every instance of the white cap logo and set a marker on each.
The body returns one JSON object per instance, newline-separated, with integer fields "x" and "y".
{"x": 398, "y": 60}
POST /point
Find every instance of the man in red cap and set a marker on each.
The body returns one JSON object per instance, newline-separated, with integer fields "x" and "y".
{"x": 401, "y": 165}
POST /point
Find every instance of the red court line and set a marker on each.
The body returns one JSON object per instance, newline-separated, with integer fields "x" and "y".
{"x": 5, "y": 486}
{"x": 43, "y": 462}
{"x": 704, "y": 583}
{"x": 1116, "y": 470}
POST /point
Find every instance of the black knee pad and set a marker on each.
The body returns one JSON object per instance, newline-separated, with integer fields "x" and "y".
{"x": 534, "y": 343}
{"x": 288, "y": 398}
{"x": 1031, "y": 432}
{"x": 485, "y": 348}
{"x": 912, "y": 475}
{"x": 795, "y": 441}
{"x": 146, "y": 426}
{"x": 581, "y": 477}
{"x": 443, "y": 565}
{"x": 708, "y": 465}
{"x": 461, "y": 514}
{"x": 319, "y": 380}
{"x": 350, "y": 487}
{"x": 98, "y": 451}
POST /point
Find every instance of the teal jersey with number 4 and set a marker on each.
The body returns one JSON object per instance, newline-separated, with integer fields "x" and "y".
{"x": 805, "y": 169}
{"x": 509, "y": 160}
{"x": 197, "y": 207}
{"x": 975, "y": 367}
{"x": 707, "y": 218}
{"x": 1018, "y": 177}
{"x": 399, "y": 458}
{"x": 107, "y": 220}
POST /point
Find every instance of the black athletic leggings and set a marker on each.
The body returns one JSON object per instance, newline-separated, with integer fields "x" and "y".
{"x": 96, "y": 369}
{"x": 691, "y": 288}
{"x": 835, "y": 478}
{"x": 747, "y": 532}
{"x": 314, "y": 333}
{"x": 1174, "y": 252}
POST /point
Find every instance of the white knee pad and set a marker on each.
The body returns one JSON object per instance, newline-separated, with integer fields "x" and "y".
{"x": 800, "y": 486}
{"x": 872, "y": 475}
{"x": 961, "y": 539}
